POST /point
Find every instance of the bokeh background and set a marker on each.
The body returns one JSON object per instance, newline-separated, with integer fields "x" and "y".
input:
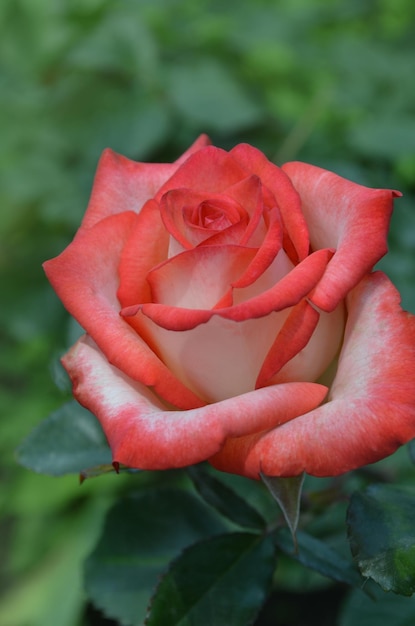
{"x": 330, "y": 82}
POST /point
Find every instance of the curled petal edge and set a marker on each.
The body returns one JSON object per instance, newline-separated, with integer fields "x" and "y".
{"x": 286, "y": 293}
{"x": 142, "y": 432}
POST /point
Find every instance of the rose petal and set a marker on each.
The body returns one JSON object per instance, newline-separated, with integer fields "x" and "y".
{"x": 286, "y": 196}
{"x": 371, "y": 407}
{"x": 222, "y": 356}
{"x": 210, "y": 170}
{"x": 319, "y": 352}
{"x": 124, "y": 185}
{"x": 242, "y": 203}
{"x": 267, "y": 253}
{"x": 293, "y": 337}
{"x": 179, "y": 206}
{"x": 255, "y": 284}
{"x": 143, "y": 434}
{"x": 346, "y": 216}
{"x": 146, "y": 247}
{"x": 286, "y": 293}
{"x": 251, "y": 229}
{"x": 219, "y": 359}
{"x": 198, "y": 278}
{"x": 85, "y": 277}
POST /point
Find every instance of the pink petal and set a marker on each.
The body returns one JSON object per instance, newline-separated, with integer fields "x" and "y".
{"x": 198, "y": 278}
{"x": 284, "y": 193}
{"x": 286, "y": 293}
{"x": 209, "y": 170}
{"x": 179, "y": 206}
{"x": 85, "y": 277}
{"x": 293, "y": 337}
{"x": 268, "y": 251}
{"x": 320, "y": 351}
{"x": 143, "y": 433}
{"x": 146, "y": 247}
{"x": 124, "y": 185}
{"x": 371, "y": 407}
{"x": 251, "y": 230}
{"x": 219, "y": 359}
{"x": 348, "y": 217}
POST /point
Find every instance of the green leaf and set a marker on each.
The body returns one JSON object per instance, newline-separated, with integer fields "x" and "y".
{"x": 320, "y": 557}
{"x": 67, "y": 442}
{"x": 383, "y": 609}
{"x": 287, "y": 492}
{"x": 220, "y": 582}
{"x": 382, "y": 536}
{"x": 141, "y": 536}
{"x": 225, "y": 499}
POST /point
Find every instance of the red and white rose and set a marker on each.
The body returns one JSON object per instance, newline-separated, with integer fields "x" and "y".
{"x": 232, "y": 315}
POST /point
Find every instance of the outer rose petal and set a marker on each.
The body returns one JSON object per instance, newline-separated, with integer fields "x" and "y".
{"x": 124, "y": 185}
{"x": 371, "y": 407}
{"x": 346, "y": 216}
{"x": 143, "y": 434}
{"x": 85, "y": 277}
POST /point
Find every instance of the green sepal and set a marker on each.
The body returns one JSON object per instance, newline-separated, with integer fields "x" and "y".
{"x": 287, "y": 492}
{"x": 100, "y": 470}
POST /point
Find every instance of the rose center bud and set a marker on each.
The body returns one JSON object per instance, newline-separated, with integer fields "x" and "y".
{"x": 210, "y": 216}
{"x": 191, "y": 217}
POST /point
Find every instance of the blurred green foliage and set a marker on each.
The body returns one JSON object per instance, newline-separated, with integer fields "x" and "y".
{"x": 325, "y": 81}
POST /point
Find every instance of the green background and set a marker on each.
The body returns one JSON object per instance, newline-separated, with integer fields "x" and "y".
{"x": 324, "y": 81}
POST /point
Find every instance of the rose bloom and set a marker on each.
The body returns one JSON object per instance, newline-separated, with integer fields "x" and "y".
{"x": 231, "y": 314}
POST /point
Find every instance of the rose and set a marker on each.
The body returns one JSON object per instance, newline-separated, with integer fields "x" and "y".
{"x": 232, "y": 315}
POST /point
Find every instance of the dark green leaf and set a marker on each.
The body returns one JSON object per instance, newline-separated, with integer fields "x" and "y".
{"x": 382, "y": 536}
{"x": 319, "y": 556}
{"x": 383, "y": 609}
{"x": 253, "y": 492}
{"x": 67, "y": 442}
{"x": 411, "y": 450}
{"x": 141, "y": 536}
{"x": 220, "y": 582}
{"x": 225, "y": 499}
